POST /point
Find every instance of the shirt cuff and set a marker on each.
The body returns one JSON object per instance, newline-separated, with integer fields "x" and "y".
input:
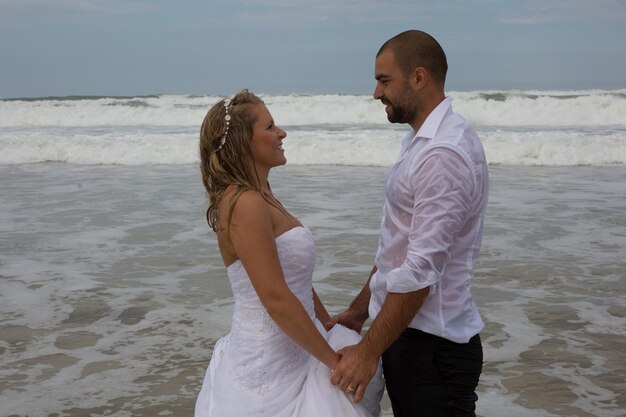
{"x": 401, "y": 280}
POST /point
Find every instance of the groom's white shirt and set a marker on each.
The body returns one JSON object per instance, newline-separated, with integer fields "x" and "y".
{"x": 431, "y": 230}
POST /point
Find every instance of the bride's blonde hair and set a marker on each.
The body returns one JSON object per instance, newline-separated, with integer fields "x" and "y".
{"x": 226, "y": 157}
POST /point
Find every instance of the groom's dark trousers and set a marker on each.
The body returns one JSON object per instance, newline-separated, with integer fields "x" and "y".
{"x": 429, "y": 376}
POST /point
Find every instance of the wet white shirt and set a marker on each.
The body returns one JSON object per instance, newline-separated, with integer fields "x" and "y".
{"x": 431, "y": 231}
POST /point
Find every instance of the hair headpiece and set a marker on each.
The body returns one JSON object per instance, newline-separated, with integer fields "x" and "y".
{"x": 227, "y": 119}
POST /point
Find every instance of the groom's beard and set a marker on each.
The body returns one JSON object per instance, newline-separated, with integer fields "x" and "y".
{"x": 399, "y": 113}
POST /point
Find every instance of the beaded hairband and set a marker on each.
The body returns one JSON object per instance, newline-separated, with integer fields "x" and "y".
{"x": 227, "y": 119}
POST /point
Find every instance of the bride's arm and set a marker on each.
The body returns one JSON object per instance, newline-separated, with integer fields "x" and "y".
{"x": 252, "y": 237}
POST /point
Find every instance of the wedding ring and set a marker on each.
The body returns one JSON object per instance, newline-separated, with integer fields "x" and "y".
{"x": 350, "y": 388}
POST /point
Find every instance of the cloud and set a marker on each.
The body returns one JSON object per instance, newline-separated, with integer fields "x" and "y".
{"x": 43, "y": 7}
{"x": 282, "y": 12}
{"x": 533, "y": 12}
{"x": 525, "y": 20}
{"x": 294, "y": 13}
{"x": 28, "y": 13}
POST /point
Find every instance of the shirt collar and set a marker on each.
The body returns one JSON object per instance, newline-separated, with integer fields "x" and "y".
{"x": 430, "y": 126}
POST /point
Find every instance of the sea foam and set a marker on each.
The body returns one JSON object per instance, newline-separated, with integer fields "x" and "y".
{"x": 517, "y": 128}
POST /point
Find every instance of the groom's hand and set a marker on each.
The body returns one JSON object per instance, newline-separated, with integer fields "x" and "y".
{"x": 355, "y": 370}
{"x": 348, "y": 318}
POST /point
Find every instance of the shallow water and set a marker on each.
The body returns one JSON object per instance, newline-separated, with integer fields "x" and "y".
{"x": 112, "y": 293}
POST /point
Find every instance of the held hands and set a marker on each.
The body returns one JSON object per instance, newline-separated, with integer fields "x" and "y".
{"x": 358, "y": 363}
{"x": 355, "y": 370}
{"x": 349, "y": 318}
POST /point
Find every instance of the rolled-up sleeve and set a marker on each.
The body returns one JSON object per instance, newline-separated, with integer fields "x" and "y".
{"x": 442, "y": 188}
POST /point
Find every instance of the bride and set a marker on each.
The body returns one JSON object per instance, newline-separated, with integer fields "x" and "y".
{"x": 277, "y": 359}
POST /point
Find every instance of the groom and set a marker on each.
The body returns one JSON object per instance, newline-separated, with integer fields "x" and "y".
{"x": 425, "y": 322}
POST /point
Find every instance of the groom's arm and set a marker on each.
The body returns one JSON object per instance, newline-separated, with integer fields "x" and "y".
{"x": 395, "y": 315}
{"x": 320, "y": 311}
{"x": 357, "y": 312}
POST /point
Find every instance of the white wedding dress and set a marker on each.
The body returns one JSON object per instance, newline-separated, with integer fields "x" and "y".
{"x": 257, "y": 370}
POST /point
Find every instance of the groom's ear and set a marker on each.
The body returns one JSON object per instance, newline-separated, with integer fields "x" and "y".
{"x": 419, "y": 78}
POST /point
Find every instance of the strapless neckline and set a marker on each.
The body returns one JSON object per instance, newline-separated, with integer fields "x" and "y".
{"x": 278, "y": 238}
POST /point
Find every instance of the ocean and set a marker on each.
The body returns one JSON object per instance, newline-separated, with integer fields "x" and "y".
{"x": 565, "y": 128}
{"x": 112, "y": 291}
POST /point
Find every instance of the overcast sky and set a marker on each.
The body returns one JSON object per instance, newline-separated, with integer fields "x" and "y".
{"x": 127, "y": 47}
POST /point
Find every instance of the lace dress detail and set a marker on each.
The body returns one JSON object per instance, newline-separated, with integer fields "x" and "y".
{"x": 257, "y": 370}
